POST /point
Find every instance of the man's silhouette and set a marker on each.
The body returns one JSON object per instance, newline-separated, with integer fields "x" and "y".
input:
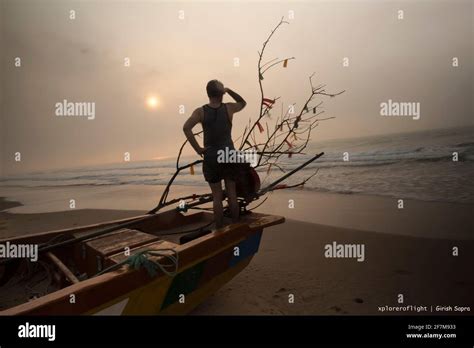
{"x": 216, "y": 119}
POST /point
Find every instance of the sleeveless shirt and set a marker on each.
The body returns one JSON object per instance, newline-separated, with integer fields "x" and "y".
{"x": 217, "y": 129}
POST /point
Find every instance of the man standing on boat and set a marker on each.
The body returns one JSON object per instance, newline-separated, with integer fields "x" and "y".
{"x": 216, "y": 119}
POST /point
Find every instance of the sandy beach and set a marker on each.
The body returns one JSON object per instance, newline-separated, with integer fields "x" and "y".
{"x": 291, "y": 261}
{"x": 407, "y": 252}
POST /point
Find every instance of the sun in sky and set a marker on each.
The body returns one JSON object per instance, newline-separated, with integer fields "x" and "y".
{"x": 152, "y": 102}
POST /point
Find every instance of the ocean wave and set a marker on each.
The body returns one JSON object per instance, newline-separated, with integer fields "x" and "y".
{"x": 411, "y": 165}
{"x": 467, "y": 144}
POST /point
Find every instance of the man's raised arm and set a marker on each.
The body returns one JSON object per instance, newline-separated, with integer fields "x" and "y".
{"x": 239, "y": 101}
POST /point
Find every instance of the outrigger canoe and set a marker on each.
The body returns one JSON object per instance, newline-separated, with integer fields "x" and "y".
{"x": 74, "y": 279}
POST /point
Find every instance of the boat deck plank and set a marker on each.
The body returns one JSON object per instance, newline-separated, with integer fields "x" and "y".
{"x": 115, "y": 242}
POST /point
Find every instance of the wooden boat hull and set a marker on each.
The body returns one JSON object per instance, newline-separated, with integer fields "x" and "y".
{"x": 205, "y": 265}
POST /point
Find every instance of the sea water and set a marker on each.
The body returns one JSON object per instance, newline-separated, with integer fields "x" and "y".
{"x": 410, "y": 165}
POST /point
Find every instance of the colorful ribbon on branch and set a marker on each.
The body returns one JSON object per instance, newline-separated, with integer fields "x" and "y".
{"x": 191, "y": 170}
{"x": 260, "y": 128}
{"x": 285, "y": 63}
{"x": 268, "y": 102}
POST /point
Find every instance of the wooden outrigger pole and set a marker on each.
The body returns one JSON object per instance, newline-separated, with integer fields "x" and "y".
{"x": 287, "y": 175}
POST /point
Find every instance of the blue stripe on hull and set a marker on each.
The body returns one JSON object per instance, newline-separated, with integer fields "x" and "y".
{"x": 247, "y": 248}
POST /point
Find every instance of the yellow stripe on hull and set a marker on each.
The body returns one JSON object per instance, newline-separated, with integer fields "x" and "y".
{"x": 148, "y": 299}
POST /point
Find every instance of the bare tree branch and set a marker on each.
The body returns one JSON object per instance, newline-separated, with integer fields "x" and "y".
{"x": 271, "y": 137}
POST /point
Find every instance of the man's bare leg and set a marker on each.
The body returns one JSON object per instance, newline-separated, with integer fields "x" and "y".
{"x": 217, "y": 196}
{"x": 232, "y": 199}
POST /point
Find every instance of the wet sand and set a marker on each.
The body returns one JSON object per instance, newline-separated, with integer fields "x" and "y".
{"x": 361, "y": 212}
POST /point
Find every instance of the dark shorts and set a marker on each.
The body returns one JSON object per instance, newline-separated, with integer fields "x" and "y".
{"x": 215, "y": 172}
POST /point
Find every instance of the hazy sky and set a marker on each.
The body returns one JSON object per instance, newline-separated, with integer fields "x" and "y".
{"x": 82, "y": 60}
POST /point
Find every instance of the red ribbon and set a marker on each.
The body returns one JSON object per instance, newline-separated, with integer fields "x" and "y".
{"x": 268, "y": 102}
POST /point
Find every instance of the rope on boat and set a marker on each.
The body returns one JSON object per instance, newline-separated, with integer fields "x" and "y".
{"x": 141, "y": 259}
